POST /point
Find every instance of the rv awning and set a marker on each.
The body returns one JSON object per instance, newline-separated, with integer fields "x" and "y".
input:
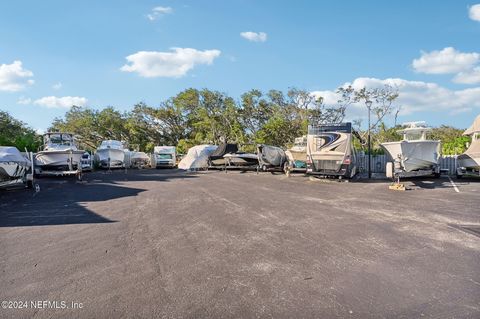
{"x": 474, "y": 128}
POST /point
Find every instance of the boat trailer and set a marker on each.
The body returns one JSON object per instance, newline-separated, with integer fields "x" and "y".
{"x": 462, "y": 171}
{"x": 394, "y": 171}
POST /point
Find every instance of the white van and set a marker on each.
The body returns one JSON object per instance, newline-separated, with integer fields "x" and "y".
{"x": 164, "y": 156}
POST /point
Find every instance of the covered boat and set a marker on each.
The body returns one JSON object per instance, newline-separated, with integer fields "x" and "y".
{"x": 60, "y": 153}
{"x": 216, "y": 158}
{"x": 13, "y": 166}
{"x": 270, "y": 157}
{"x": 197, "y": 157}
{"x": 297, "y": 155}
{"x": 414, "y": 152}
{"x": 469, "y": 162}
{"x": 139, "y": 159}
{"x": 110, "y": 154}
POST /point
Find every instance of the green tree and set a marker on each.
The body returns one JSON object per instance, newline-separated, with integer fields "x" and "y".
{"x": 16, "y": 133}
{"x": 453, "y": 142}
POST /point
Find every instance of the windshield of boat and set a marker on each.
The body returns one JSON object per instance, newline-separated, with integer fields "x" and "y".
{"x": 58, "y": 139}
{"x": 414, "y": 134}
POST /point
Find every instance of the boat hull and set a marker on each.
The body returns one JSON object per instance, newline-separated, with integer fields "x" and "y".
{"x": 469, "y": 160}
{"x": 241, "y": 159}
{"x": 12, "y": 170}
{"x": 117, "y": 158}
{"x": 414, "y": 155}
{"x": 58, "y": 159}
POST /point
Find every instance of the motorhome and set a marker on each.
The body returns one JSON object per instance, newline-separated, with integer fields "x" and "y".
{"x": 330, "y": 150}
{"x": 164, "y": 156}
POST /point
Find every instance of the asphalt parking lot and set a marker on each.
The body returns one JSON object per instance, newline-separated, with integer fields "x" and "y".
{"x": 164, "y": 243}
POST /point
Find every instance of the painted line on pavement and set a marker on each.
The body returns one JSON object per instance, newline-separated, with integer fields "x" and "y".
{"x": 453, "y": 184}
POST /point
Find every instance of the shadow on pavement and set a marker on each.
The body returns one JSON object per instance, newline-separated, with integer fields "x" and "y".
{"x": 137, "y": 175}
{"x": 60, "y": 199}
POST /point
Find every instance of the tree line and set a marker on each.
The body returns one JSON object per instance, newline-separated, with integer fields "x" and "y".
{"x": 195, "y": 117}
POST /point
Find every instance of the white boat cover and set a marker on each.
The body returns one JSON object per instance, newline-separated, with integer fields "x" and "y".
{"x": 474, "y": 128}
{"x": 111, "y": 144}
{"x": 197, "y": 157}
{"x": 139, "y": 156}
{"x": 12, "y": 154}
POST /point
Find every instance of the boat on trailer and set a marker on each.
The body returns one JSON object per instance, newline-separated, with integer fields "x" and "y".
{"x": 270, "y": 158}
{"x": 468, "y": 163}
{"x": 414, "y": 155}
{"x": 59, "y": 155}
{"x": 15, "y": 169}
{"x": 296, "y": 156}
{"x": 241, "y": 160}
{"x": 216, "y": 159}
{"x": 110, "y": 154}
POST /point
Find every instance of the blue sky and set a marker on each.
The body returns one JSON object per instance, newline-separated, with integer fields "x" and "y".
{"x": 54, "y": 53}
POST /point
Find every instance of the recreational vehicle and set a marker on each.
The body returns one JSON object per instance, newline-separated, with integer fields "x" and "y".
{"x": 330, "y": 150}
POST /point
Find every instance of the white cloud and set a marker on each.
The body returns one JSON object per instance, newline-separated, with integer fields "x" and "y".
{"x": 13, "y": 77}
{"x": 40, "y": 131}
{"x": 415, "y": 96}
{"x": 474, "y": 12}
{"x": 174, "y": 64}
{"x": 254, "y": 36}
{"x": 158, "y": 12}
{"x": 57, "y": 86}
{"x": 24, "y": 101}
{"x": 468, "y": 77}
{"x": 61, "y": 102}
{"x": 445, "y": 61}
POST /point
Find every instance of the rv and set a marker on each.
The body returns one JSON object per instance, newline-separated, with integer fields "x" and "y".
{"x": 330, "y": 150}
{"x": 164, "y": 156}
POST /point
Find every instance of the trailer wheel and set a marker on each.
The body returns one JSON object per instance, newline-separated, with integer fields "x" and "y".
{"x": 29, "y": 184}
{"x": 436, "y": 175}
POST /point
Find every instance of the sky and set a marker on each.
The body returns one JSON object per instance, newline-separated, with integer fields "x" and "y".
{"x": 117, "y": 53}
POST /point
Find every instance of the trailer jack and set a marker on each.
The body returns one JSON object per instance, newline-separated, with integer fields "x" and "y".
{"x": 397, "y": 186}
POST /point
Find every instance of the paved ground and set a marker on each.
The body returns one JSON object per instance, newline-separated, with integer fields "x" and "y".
{"x": 161, "y": 243}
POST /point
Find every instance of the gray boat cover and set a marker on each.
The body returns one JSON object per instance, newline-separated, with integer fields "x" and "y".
{"x": 271, "y": 155}
{"x": 12, "y": 154}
